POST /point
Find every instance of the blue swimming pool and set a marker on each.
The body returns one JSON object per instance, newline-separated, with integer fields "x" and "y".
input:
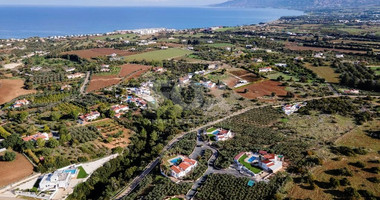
{"x": 72, "y": 171}
{"x": 174, "y": 161}
{"x": 215, "y": 132}
{"x": 251, "y": 159}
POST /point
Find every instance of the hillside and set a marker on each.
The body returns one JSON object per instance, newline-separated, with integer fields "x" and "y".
{"x": 300, "y": 4}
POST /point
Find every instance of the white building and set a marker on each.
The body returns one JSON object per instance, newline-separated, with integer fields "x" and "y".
{"x": 20, "y": 103}
{"x": 281, "y": 65}
{"x": 89, "y": 117}
{"x": 58, "y": 179}
{"x": 76, "y": 75}
{"x": 221, "y": 134}
{"x": 290, "y": 109}
{"x": 339, "y": 56}
{"x": 183, "y": 168}
{"x": 119, "y": 108}
{"x": 265, "y": 69}
{"x": 71, "y": 69}
{"x": 37, "y": 68}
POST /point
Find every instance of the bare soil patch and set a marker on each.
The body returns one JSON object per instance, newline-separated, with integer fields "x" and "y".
{"x": 14, "y": 171}
{"x": 261, "y": 89}
{"x": 127, "y": 69}
{"x": 12, "y": 88}
{"x": 98, "y": 83}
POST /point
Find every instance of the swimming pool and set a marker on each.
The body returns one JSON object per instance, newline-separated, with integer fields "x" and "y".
{"x": 251, "y": 159}
{"x": 216, "y": 132}
{"x": 175, "y": 161}
{"x": 71, "y": 171}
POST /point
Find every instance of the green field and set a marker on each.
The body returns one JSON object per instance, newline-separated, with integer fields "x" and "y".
{"x": 327, "y": 73}
{"x": 376, "y": 69}
{"x": 248, "y": 166}
{"x": 220, "y": 45}
{"x": 159, "y": 55}
{"x": 225, "y": 29}
{"x": 82, "y": 173}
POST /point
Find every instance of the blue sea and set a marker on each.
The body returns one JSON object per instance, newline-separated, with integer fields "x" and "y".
{"x": 23, "y": 22}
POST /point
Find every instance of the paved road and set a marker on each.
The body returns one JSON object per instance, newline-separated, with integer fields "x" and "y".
{"x": 125, "y": 191}
{"x": 86, "y": 80}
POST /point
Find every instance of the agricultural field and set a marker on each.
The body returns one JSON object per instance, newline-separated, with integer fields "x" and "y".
{"x": 234, "y": 75}
{"x": 128, "y": 71}
{"x": 295, "y": 47}
{"x": 359, "y": 167}
{"x": 98, "y": 52}
{"x": 261, "y": 89}
{"x": 159, "y": 55}
{"x": 112, "y": 134}
{"x": 14, "y": 171}
{"x": 327, "y": 73}
{"x": 12, "y": 88}
{"x": 220, "y": 45}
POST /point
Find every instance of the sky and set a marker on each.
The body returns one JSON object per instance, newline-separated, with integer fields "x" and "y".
{"x": 110, "y": 2}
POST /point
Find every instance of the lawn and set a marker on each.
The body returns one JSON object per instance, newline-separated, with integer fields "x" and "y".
{"x": 159, "y": 55}
{"x": 248, "y": 166}
{"x": 82, "y": 173}
{"x": 327, "y": 73}
{"x": 210, "y": 130}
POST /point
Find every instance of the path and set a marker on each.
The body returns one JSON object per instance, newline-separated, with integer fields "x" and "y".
{"x": 86, "y": 80}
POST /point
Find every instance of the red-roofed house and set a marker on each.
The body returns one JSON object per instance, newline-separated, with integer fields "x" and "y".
{"x": 20, "y": 103}
{"x": 35, "y": 137}
{"x": 182, "y": 169}
{"x": 89, "y": 117}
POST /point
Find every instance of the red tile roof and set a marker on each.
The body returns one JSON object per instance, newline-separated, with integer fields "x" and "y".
{"x": 191, "y": 161}
{"x": 175, "y": 169}
{"x": 239, "y": 155}
{"x": 184, "y": 165}
{"x": 269, "y": 156}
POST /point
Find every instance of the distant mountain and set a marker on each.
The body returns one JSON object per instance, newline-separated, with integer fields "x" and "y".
{"x": 300, "y": 4}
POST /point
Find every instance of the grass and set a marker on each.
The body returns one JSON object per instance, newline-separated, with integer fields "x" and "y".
{"x": 225, "y": 29}
{"x": 327, "y": 73}
{"x": 82, "y": 173}
{"x": 159, "y": 55}
{"x": 220, "y": 45}
{"x": 249, "y": 166}
{"x": 274, "y": 76}
{"x": 113, "y": 71}
{"x": 211, "y": 130}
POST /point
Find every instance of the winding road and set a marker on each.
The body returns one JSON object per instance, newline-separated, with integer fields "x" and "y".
{"x": 83, "y": 86}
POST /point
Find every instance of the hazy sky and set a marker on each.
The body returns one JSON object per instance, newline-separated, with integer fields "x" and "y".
{"x": 111, "y": 2}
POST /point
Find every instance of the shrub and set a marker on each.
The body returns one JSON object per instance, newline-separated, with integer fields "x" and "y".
{"x": 357, "y": 164}
{"x": 9, "y": 156}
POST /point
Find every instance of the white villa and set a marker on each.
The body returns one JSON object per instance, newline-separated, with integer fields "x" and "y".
{"x": 265, "y": 69}
{"x": 281, "y": 65}
{"x": 290, "y": 109}
{"x": 70, "y": 69}
{"x": 58, "y": 179}
{"x": 181, "y": 166}
{"x": 269, "y": 162}
{"x": 76, "y": 75}
{"x": 220, "y": 134}
{"x": 119, "y": 108}
{"x": 20, "y": 103}
{"x": 89, "y": 117}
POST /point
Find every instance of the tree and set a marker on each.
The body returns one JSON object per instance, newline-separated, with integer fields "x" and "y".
{"x": 21, "y": 117}
{"x": 55, "y": 116}
{"x": 46, "y": 129}
{"x": 40, "y": 142}
{"x": 351, "y": 193}
{"x": 9, "y": 156}
{"x": 334, "y": 183}
{"x": 4, "y": 133}
{"x": 52, "y": 143}
{"x": 74, "y": 114}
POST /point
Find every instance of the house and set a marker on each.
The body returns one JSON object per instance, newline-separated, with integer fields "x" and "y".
{"x": 339, "y": 55}
{"x": 241, "y": 82}
{"x": 164, "y": 47}
{"x": 35, "y": 137}
{"x": 89, "y": 117}
{"x": 299, "y": 58}
{"x": 207, "y": 84}
{"x": 257, "y": 60}
{"x": 181, "y": 166}
{"x": 119, "y": 108}
{"x": 70, "y": 69}
{"x": 353, "y": 91}
{"x": 20, "y": 103}
{"x": 319, "y": 55}
{"x": 269, "y": 162}
{"x": 190, "y": 48}
{"x": 281, "y": 65}
{"x": 265, "y": 69}
{"x": 210, "y": 42}
{"x": 185, "y": 79}
{"x": 159, "y": 69}
{"x": 38, "y": 68}
{"x": 220, "y": 134}
{"x": 66, "y": 87}
{"x": 290, "y": 109}
{"x": 212, "y": 66}
{"x": 76, "y": 75}
{"x": 58, "y": 179}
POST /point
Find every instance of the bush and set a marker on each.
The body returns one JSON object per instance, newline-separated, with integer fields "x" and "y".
{"x": 357, "y": 164}
{"x": 344, "y": 182}
{"x": 9, "y": 156}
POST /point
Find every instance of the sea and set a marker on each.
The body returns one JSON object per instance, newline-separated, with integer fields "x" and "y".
{"x": 30, "y": 21}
